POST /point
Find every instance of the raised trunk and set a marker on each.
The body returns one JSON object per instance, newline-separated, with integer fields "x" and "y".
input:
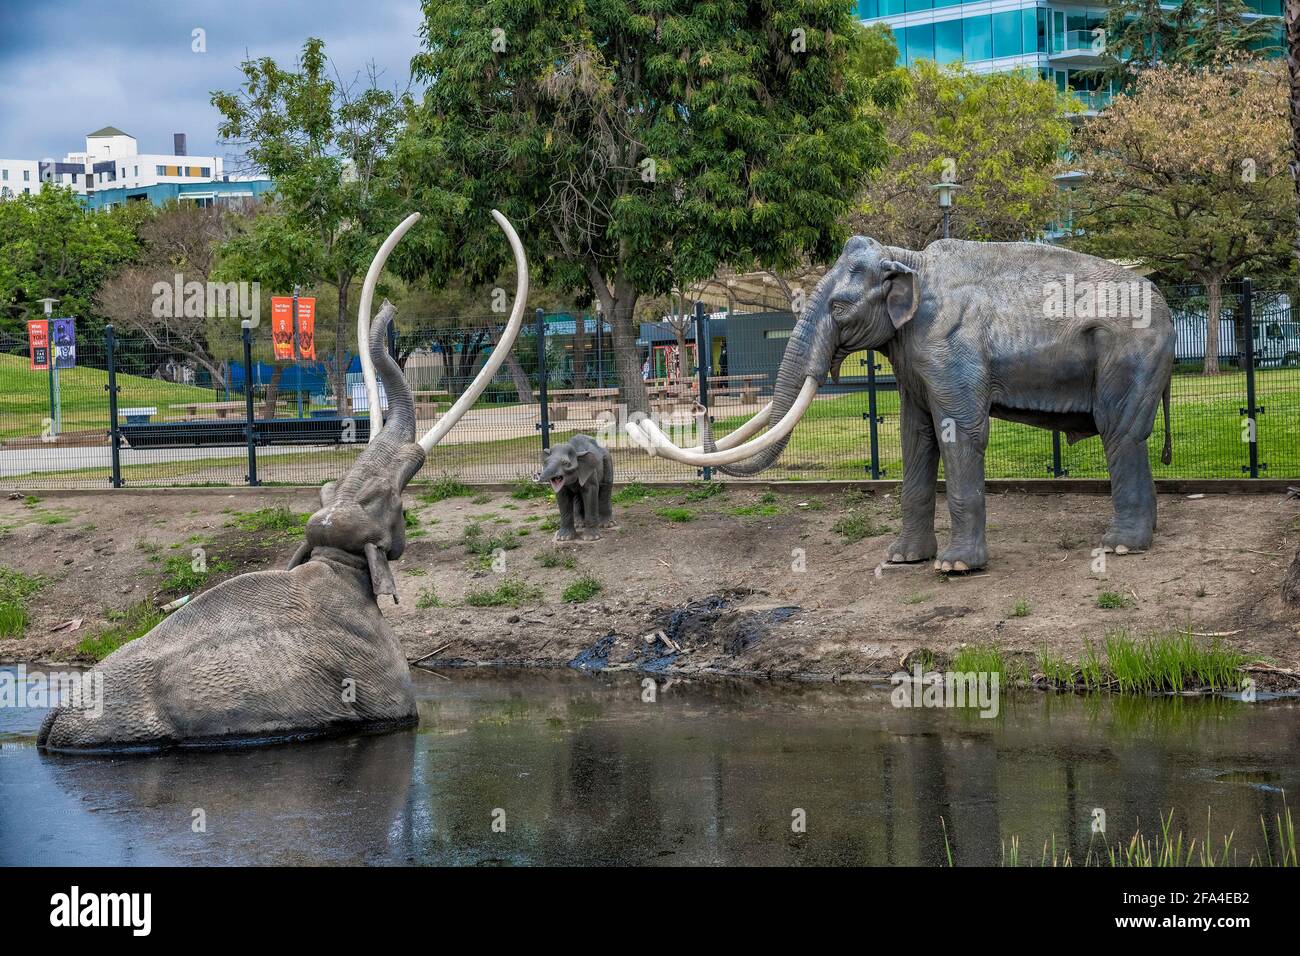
{"x": 806, "y": 353}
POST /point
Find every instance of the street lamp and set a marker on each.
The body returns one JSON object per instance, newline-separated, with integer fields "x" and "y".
{"x": 55, "y": 412}
{"x": 945, "y": 191}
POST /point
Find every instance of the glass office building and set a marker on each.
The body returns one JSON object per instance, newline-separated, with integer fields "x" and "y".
{"x": 1055, "y": 38}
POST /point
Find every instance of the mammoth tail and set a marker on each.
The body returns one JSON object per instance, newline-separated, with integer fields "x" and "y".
{"x": 1167, "y": 453}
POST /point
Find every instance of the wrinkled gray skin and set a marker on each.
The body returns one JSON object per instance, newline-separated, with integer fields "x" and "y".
{"x": 964, "y": 328}
{"x": 276, "y": 655}
{"x": 581, "y": 473}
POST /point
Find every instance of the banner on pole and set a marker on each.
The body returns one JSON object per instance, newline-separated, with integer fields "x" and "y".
{"x": 38, "y": 344}
{"x": 282, "y": 327}
{"x": 307, "y": 328}
{"x": 65, "y": 343}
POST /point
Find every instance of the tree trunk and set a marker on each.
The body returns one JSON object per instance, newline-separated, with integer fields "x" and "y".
{"x": 272, "y": 392}
{"x": 1214, "y": 304}
{"x": 339, "y": 369}
{"x": 523, "y": 387}
{"x": 627, "y": 356}
{"x": 579, "y": 350}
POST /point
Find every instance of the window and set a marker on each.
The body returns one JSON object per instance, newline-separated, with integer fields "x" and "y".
{"x": 161, "y": 170}
{"x": 890, "y": 7}
{"x": 918, "y": 5}
{"x": 4, "y": 174}
{"x": 74, "y": 177}
{"x": 947, "y": 41}
{"x": 27, "y": 191}
{"x": 1006, "y": 33}
{"x": 977, "y": 38}
{"x": 27, "y": 175}
{"x": 868, "y": 9}
{"x": 920, "y": 43}
{"x": 137, "y": 171}
{"x": 1033, "y": 28}
{"x": 777, "y": 333}
{"x": 205, "y": 172}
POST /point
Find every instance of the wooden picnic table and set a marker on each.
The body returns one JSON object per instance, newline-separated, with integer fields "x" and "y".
{"x": 220, "y": 408}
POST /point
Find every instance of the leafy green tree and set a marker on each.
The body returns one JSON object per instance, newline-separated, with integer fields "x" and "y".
{"x": 639, "y": 144}
{"x": 51, "y": 246}
{"x": 325, "y": 143}
{"x": 997, "y": 135}
{"x": 1189, "y": 175}
{"x": 1141, "y": 34}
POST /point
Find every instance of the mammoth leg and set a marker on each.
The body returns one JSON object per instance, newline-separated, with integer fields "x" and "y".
{"x": 962, "y": 444}
{"x": 1133, "y": 494}
{"x": 916, "y": 541}
{"x": 565, "y": 498}
{"x": 590, "y": 493}
{"x": 381, "y": 575}
{"x": 606, "y": 494}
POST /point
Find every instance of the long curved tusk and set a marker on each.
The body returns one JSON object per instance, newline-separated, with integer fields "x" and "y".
{"x": 363, "y": 321}
{"x": 733, "y": 439}
{"x": 644, "y": 431}
{"x": 499, "y": 352}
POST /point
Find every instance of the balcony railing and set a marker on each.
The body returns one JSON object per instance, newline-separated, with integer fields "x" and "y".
{"x": 1094, "y": 101}
{"x": 1084, "y": 42}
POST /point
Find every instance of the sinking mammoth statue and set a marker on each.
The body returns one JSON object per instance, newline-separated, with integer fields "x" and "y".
{"x": 1023, "y": 332}
{"x": 304, "y": 652}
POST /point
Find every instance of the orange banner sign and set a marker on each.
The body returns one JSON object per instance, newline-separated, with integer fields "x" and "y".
{"x": 282, "y": 327}
{"x": 307, "y": 328}
{"x": 38, "y": 344}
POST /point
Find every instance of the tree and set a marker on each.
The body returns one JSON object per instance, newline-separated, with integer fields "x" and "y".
{"x": 52, "y": 246}
{"x": 639, "y": 145}
{"x": 1142, "y": 34}
{"x": 997, "y": 135}
{"x": 325, "y": 143}
{"x": 1189, "y": 174}
{"x": 180, "y": 240}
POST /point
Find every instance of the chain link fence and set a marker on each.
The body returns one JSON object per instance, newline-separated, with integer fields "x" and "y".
{"x": 182, "y": 422}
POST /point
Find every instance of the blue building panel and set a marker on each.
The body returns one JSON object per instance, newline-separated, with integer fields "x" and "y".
{"x": 162, "y": 193}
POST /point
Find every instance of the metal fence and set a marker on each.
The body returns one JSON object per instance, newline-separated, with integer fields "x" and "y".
{"x": 136, "y": 413}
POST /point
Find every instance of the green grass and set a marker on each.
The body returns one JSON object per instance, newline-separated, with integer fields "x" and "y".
{"x": 1113, "y": 601}
{"x": 428, "y": 598}
{"x": 555, "y": 558}
{"x": 704, "y": 490}
{"x": 15, "y": 588}
{"x": 180, "y": 577}
{"x": 635, "y": 491}
{"x": 479, "y": 542}
{"x": 756, "y": 511}
{"x": 511, "y": 592}
{"x": 135, "y": 621}
{"x": 525, "y": 489}
{"x": 1162, "y": 663}
{"x": 581, "y": 590}
{"x": 278, "y": 520}
{"x": 444, "y": 487}
{"x": 979, "y": 659}
{"x": 679, "y": 515}
{"x": 856, "y": 526}
{"x": 1020, "y": 608}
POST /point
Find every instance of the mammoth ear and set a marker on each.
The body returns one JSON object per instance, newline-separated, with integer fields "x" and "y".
{"x": 902, "y": 295}
{"x": 588, "y": 464}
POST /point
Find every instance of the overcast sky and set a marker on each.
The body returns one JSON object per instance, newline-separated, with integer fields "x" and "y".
{"x": 70, "y": 67}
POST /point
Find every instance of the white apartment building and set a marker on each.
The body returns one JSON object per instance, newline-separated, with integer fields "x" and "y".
{"x": 18, "y": 176}
{"x": 111, "y": 160}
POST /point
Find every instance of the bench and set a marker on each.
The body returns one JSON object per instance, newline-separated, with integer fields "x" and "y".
{"x": 221, "y": 409}
{"x": 230, "y": 433}
{"x": 138, "y": 416}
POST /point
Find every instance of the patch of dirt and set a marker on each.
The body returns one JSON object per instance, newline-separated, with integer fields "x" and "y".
{"x": 773, "y": 591}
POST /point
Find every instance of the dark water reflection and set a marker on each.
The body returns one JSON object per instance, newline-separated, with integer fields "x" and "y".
{"x": 585, "y": 772}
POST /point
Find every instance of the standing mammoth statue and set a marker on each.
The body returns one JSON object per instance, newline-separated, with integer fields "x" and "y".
{"x": 304, "y": 652}
{"x": 1019, "y": 331}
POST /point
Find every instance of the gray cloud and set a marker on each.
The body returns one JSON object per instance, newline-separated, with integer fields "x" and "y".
{"x": 78, "y": 65}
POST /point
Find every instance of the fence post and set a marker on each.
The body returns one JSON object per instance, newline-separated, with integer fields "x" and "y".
{"x": 545, "y": 423}
{"x": 114, "y": 435}
{"x": 703, "y": 364}
{"x": 872, "y": 416}
{"x": 249, "y": 428}
{"x": 1056, "y": 469}
{"x": 1250, "y": 411}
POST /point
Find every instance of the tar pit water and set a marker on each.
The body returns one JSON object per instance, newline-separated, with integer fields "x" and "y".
{"x": 572, "y": 768}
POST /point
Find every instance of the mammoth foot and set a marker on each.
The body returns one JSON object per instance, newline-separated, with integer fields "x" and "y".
{"x": 1126, "y": 539}
{"x": 565, "y": 534}
{"x": 962, "y": 557}
{"x": 909, "y": 548}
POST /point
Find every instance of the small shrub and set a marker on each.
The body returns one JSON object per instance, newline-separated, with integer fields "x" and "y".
{"x": 676, "y": 514}
{"x": 704, "y": 490}
{"x": 1112, "y": 600}
{"x": 509, "y": 593}
{"x": 136, "y": 621}
{"x": 272, "y": 520}
{"x": 525, "y": 489}
{"x": 481, "y": 498}
{"x": 555, "y": 558}
{"x": 180, "y": 577}
{"x": 581, "y": 590}
{"x": 444, "y": 487}
{"x": 857, "y": 526}
{"x": 428, "y": 598}
{"x": 1021, "y": 609}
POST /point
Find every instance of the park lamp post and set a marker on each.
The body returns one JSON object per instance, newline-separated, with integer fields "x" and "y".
{"x": 944, "y": 190}
{"x": 54, "y": 371}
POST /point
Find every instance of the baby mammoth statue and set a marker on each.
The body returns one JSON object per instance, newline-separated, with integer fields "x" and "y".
{"x": 581, "y": 474}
